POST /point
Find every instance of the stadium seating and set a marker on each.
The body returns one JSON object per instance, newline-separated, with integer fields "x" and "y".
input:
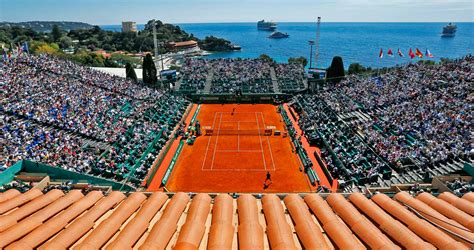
{"x": 391, "y": 128}
{"x": 68, "y": 116}
{"x": 235, "y": 76}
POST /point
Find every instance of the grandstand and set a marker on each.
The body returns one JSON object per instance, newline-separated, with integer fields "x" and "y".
{"x": 240, "y": 155}
{"x": 247, "y": 76}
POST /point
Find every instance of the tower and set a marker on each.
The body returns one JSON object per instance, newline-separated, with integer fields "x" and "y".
{"x": 316, "y": 42}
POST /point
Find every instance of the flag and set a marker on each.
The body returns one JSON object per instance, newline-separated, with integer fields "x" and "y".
{"x": 19, "y": 49}
{"x": 25, "y": 48}
{"x": 381, "y": 53}
{"x": 418, "y": 53}
{"x": 400, "y": 52}
{"x": 10, "y": 51}
{"x": 428, "y": 53}
{"x": 4, "y": 55}
{"x": 411, "y": 54}
{"x": 390, "y": 53}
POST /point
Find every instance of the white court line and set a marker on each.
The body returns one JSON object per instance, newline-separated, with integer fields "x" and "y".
{"x": 261, "y": 145}
{"x": 269, "y": 146}
{"x": 217, "y": 139}
{"x": 238, "y": 112}
{"x": 239, "y": 121}
{"x": 241, "y": 151}
{"x": 237, "y": 169}
{"x": 208, "y": 142}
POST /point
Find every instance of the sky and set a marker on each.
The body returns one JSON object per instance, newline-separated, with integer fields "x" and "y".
{"x": 103, "y": 12}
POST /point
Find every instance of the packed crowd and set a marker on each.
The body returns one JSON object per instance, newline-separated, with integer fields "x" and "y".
{"x": 49, "y": 106}
{"x": 240, "y": 76}
{"x": 194, "y": 74}
{"x": 350, "y": 160}
{"x": 460, "y": 186}
{"x": 290, "y": 77}
{"x": 246, "y": 75}
{"x": 419, "y": 113}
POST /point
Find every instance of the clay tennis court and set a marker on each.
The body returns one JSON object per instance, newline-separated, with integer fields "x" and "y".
{"x": 236, "y": 156}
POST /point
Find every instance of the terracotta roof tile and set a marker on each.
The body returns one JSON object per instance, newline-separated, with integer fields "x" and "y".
{"x": 360, "y": 225}
{"x": 79, "y": 227}
{"x": 57, "y": 223}
{"x": 19, "y": 200}
{"x": 333, "y": 225}
{"x": 34, "y": 205}
{"x": 222, "y": 228}
{"x": 10, "y": 193}
{"x": 107, "y": 228}
{"x": 448, "y": 210}
{"x": 138, "y": 225}
{"x": 157, "y": 222}
{"x": 422, "y": 228}
{"x": 469, "y": 196}
{"x": 461, "y": 203}
{"x": 396, "y": 230}
{"x": 162, "y": 231}
{"x": 58, "y": 202}
{"x": 250, "y": 231}
{"x": 308, "y": 232}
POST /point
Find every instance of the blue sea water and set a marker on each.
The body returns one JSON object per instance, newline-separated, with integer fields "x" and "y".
{"x": 355, "y": 42}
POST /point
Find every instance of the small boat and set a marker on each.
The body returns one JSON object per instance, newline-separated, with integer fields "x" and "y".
{"x": 235, "y": 47}
{"x": 449, "y": 30}
{"x": 278, "y": 35}
{"x": 269, "y": 26}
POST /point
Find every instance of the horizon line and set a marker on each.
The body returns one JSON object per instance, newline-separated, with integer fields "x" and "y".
{"x": 230, "y": 22}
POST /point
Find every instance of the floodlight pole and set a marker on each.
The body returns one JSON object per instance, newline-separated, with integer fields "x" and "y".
{"x": 311, "y": 43}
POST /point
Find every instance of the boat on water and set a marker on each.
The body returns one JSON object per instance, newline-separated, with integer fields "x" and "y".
{"x": 270, "y": 26}
{"x": 449, "y": 30}
{"x": 278, "y": 35}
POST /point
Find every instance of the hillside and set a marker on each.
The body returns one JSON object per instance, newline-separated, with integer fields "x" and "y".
{"x": 46, "y": 26}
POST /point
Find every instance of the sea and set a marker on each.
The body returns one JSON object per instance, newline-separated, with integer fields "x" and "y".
{"x": 354, "y": 42}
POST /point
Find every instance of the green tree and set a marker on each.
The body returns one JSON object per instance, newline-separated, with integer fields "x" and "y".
{"x": 266, "y": 57}
{"x": 89, "y": 58}
{"x": 149, "y": 70}
{"x": 211, "y": 43}
{"x": 298, "y": 60}
{"x": 122, "y": 59}
{"x": 130, "y": 72}
{"x": 56, "y": 33}
{"x": 356, "y": 68}
{"x": 335, "y": 72}
{"x": 65, "y": 42}
{"x": 44, "y": 48}
{"x": 110, "y": 63}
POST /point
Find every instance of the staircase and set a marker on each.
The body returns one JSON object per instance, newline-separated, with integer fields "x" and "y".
{"x": 207, "y": 87}
{"x": 276, "y": 88}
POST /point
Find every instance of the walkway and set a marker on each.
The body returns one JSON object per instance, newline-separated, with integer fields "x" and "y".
{"x": 276, "y": 88}
{"x": 310, "y": 151}
{"x": 155, "y": 184}
{"x": 207, "y": 87}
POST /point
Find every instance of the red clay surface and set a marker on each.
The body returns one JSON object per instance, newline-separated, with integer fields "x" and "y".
{"x": 238, "y": 163}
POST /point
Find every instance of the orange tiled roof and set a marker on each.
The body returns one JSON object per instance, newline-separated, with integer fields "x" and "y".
{"x": 185, "y": 43}
{"x": 59, "y": 221}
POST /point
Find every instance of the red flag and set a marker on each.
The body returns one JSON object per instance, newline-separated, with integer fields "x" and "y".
{"x": 411, "y": 54}
{"x": 418, "y": 53}
{"x": 390, "y": 52}
{"x": 381, "y": 53}
{"x": 400, "y": 52}
{"x": 428, "y": 53}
